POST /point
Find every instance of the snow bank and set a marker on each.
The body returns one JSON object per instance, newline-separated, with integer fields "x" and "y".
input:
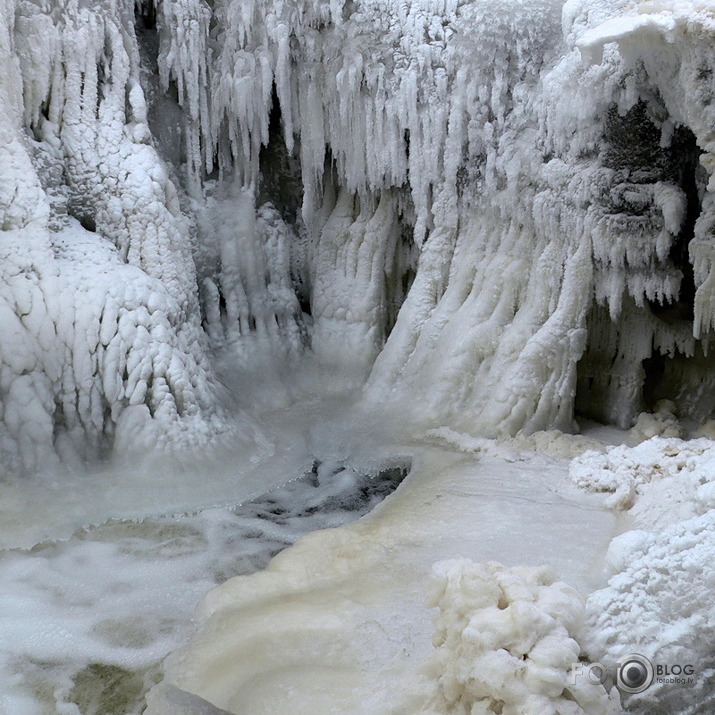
{"x": 659, "y": 604}
{"x": 460, "y": 227}
{"x": 505, "y": 642}
{"x": 658, "y": 601}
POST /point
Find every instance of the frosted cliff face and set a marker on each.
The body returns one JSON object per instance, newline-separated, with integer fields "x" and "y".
{"x": 100, "y": 319}
{"x": 444, "y": 198}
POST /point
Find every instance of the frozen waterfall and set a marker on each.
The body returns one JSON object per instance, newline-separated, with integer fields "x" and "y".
{"x": 443, "y": 198}
{"x": 467, "y": 220}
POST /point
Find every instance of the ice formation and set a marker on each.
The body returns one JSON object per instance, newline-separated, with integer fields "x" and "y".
{"x": 505, "y": 642}
{"x": 484, "y": 214}
{"x": 445, "y": 195}
{"x": 102, "y": 344}
{"x": 658, "y": 601}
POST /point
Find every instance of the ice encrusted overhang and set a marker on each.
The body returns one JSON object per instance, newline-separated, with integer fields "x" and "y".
{"x": 571, "y": 274}
{"x": 439, "y": 196}
{"x": 667, "y": 50}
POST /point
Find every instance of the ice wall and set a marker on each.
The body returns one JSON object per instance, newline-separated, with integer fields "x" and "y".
{"x": 101, "y": 340}
{"x": 578, "y": 249}
{"x": 488, "y": 207}
{"x": 665, "y": 49}
{"x": 652, "y": 604}
{"x": 545, "y": 199}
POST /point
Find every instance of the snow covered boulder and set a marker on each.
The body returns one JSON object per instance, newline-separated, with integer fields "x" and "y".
{"x": 505, "y": 642}
{"x": 659, "y": 603}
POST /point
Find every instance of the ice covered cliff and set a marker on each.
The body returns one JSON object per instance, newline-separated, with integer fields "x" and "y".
{"x": 442, "y": 197}
{"x": 486, "y": 214}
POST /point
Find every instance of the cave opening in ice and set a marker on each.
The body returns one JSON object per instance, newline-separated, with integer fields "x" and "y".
{"x": 645, "y": 354}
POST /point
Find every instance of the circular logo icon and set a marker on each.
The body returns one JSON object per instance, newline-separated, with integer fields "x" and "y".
{"x": 634, "y": 673}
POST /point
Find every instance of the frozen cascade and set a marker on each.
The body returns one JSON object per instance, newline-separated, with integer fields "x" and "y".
{"x": 521, "y": 201}
{"x": 101, "y": 335}
{"x": 453, "y": 194}
{"x": 480, "y": 216}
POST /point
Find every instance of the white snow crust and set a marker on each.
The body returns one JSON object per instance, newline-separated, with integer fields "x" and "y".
{"x": 659, "y": 604}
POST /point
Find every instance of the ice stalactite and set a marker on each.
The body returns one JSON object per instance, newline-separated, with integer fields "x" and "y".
{"x": 511, "y": 295}
{"x": 666, "y": 147}
{"x": 494, "y": 322}
{"x": 183, "y": 58}
{"x": 248, "y": 297}
{"x": 348, "y": 109}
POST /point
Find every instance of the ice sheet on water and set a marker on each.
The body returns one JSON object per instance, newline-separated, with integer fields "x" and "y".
{"x": 338, "y": 622}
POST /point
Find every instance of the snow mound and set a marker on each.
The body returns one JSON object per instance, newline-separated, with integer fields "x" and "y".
{"x": 659, "y": 604}
{"x": 658, "y": 601}
{"x": 662, "y": 422}
{"x": 661, "y": 480}
{"x": 505, "y": 642}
